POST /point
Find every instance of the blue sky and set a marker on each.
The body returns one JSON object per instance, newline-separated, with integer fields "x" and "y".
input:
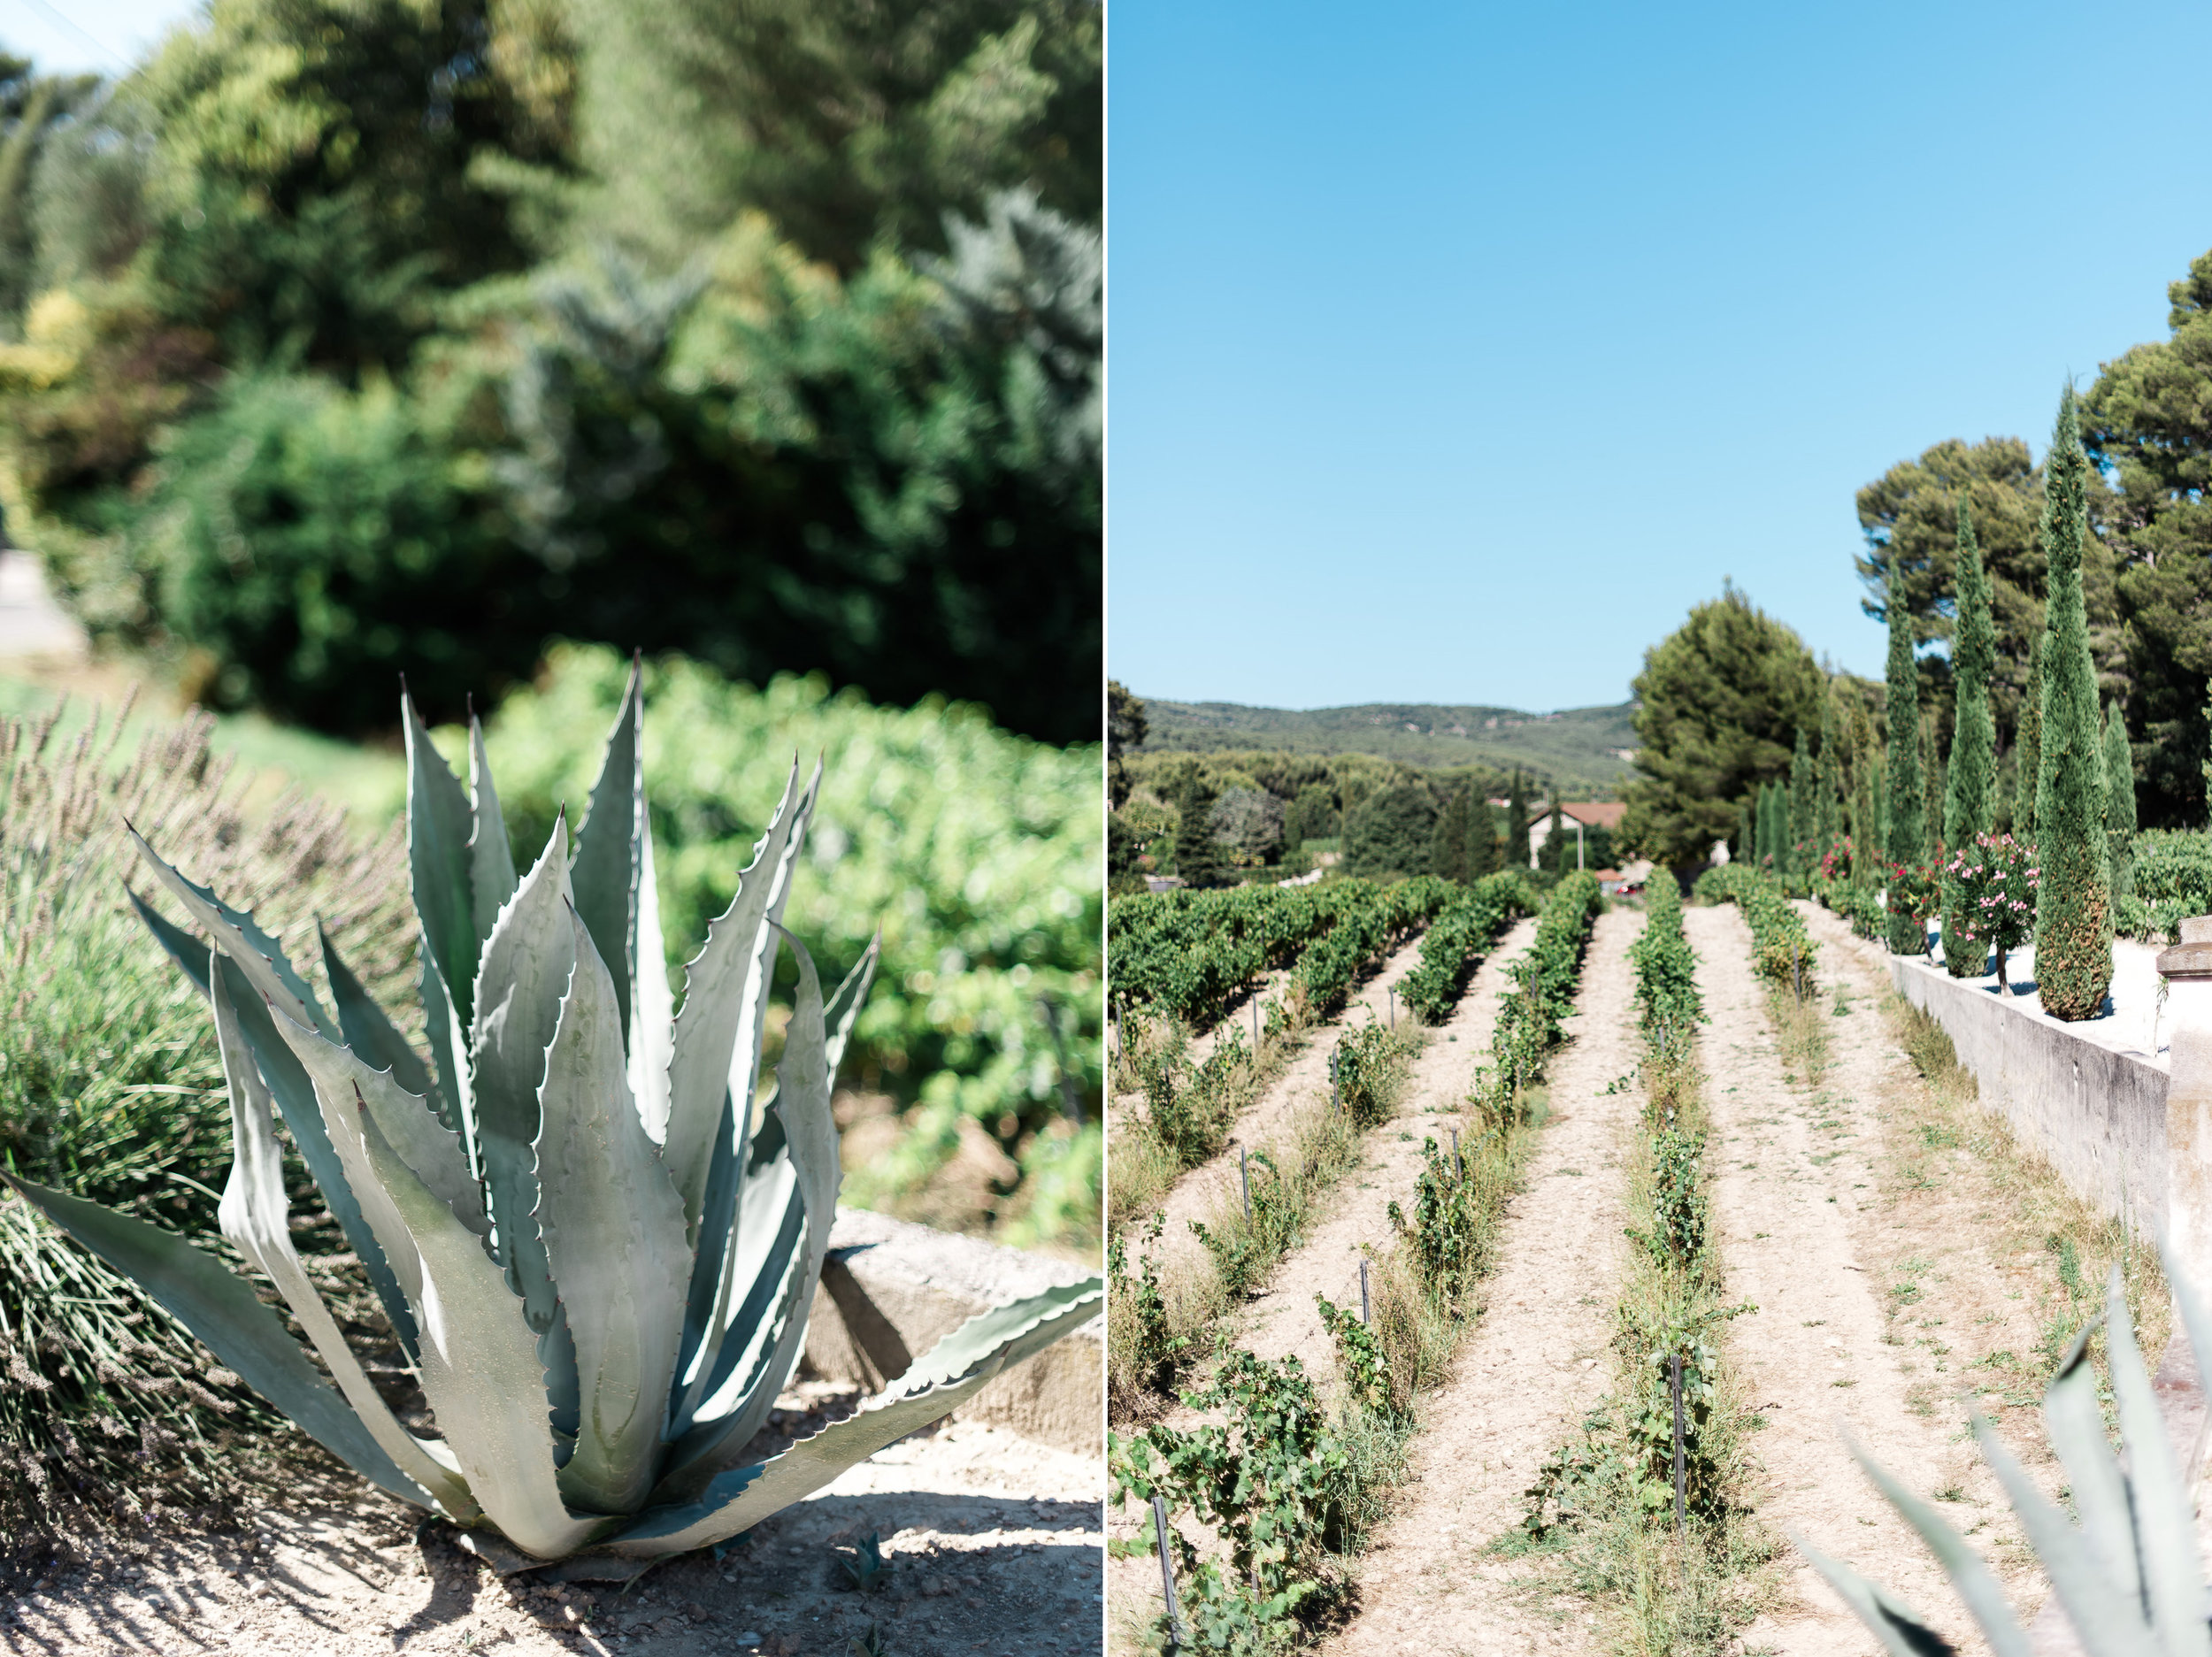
{"x": 87, "y": 36}
{"x": 1456, "y": 351}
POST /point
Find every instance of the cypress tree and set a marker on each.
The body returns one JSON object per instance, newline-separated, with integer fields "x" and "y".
{"x": 1905, "y": 841}
{"x": 2029, "y": 745}
{"x": 1866, "y": 822}
{"x": 2073, "y": 911}
{"x": 1197, "y": 858}
{"x": 1799, "y": 851}
{"x": 1451, "y": 837}
{"x": 1931, "y": 790}
{"x": 1770, "y": 824}
{"x": 1484, "y": 855}
{"x": 2119, "y": 802}
{"x": 1829, "y": 807}
{"x": 1555, "y": 838}
{"x": 1517, "y": 852}
{"x": 1969, "y": 792}
{"x": 1970, "y": 786}
{"x": 1746, "y": 849}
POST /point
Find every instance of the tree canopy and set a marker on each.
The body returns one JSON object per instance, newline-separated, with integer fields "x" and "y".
{"x": 838, "y": 411}
{"x": 1719, "y": 704}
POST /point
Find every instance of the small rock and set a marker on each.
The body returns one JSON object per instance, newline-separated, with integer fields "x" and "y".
{"x": 750, "y": 1637}
{"x": 697, "y": 1612}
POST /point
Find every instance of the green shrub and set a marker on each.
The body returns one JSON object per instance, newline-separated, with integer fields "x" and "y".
{"x": 2175, "y": 866}
{"x": 313, "y": 544}
{"x": 1456, "y": 940}
{"x": 978, "y": 851}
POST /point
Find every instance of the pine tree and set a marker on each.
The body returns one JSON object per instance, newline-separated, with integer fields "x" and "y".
{"x": 1931, "y": 790}
{"x": 1517, "y": 852}
{"x": 1485, "y": 856}
{"x": 2028, "y": 746}
{"x": 1451, "y": 837}
{"x": 1969, "y": 785}
{"x": 1197, "y": 859}
{"x": 2073, "y": 911}
{"x": 1905, "y": 841}
{"x": 1802, "y": 783}
{"x": 2119, "y": 802}
{"x": 1827, "y": 814}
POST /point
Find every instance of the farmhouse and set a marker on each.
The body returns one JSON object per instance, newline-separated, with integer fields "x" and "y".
{"x": 1576, "y": 815}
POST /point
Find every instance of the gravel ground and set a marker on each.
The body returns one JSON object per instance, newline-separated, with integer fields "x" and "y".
{"x": 995, "y": 1544}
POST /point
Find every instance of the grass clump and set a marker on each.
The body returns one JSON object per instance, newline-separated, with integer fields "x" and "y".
{"x": 111, "y": 1088}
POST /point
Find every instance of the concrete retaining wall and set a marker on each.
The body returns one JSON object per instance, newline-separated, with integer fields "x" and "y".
{"x": 2097, "y": 1113}
{"x": 891, "y": 1290}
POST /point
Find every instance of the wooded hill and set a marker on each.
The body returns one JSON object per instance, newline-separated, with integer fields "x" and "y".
{"x": 1582, "y": 749}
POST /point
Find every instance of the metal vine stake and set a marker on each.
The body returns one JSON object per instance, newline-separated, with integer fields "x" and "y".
{"x": 1674, "y": 1362}
{"x": 1244, "y": 1173}
{"x": 1363, "y": 1316}
{"x": 1177, "y": 1634}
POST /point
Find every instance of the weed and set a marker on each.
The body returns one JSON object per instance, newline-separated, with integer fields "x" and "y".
{"x": 865, "y": 1567}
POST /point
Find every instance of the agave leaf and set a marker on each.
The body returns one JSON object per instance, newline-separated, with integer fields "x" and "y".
{"x": 431, "y": 1150}
{"x": 371, "y": 1033}
{"x": 740, "y": 1342}
{"x": 614, "y": 1234}
{"x": 1895, "y": 1624}
{"x": 440, "y": 821}
{"x": 653, "y": 1009}
{"x": 758, "y": 1256}
{"x": 259, "y": 955}
{"x": 604, "y": 877}
{"x": 2197, "y": 1324}
{"x": 526, "y": 969}
{"x": 294, "y": 1094}
{"x": 449, "y": 1050}
{"x": 2107, "y": 1616}
{"x": 702, "y": 1084}
{"x": 2165, "y": 1518}
{"x": 944, "y": 1378}
{"x": 491, "y": 860}
{"x": 801, "y": 1107}
{"x": 254, "y": 1216}
{"x": 480, "y": 1365}
{"x": 220, "y": 1308}
{"x": 1975, "y": 1582}
{"x": 2075, "y": 1422}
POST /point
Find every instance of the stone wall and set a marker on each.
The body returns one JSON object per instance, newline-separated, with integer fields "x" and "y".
{"x": 891, "y": 1290}
{"x": 2097, "y": 1112}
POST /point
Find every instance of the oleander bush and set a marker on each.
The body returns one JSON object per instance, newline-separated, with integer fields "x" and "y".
{"x": 977, "y": 851}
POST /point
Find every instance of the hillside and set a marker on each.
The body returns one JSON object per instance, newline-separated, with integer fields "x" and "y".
{"x": 1580, "y": 745}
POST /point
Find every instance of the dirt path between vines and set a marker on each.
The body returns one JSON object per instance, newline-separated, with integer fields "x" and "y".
{"x": 1806, "y": 1200}
{"x": 1531, "y": 1366}
{"x": 1200, "y": 1190}
{"x": 1285, "y": 1318}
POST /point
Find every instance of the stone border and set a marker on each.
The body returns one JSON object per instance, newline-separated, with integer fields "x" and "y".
{"x": 891, "y": 1290}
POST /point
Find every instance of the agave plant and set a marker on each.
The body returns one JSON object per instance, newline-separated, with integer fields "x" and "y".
{"x": 2128, "y": 1576}
{"x": 597, "y": 1247}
